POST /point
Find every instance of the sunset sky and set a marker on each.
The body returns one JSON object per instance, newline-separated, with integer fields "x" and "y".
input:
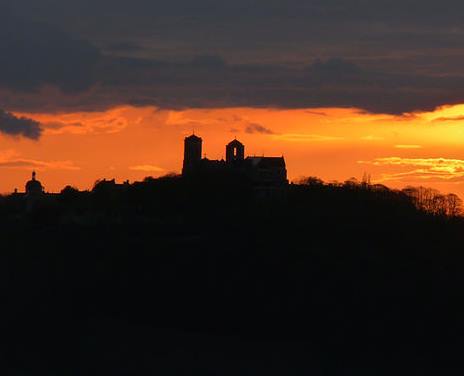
{"x": 109, "y": 89}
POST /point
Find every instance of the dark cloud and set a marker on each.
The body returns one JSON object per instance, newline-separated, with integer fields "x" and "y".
{"x": 124, "y": 47}
{"x": 334, "y": 82}
{"x": 34, "y": 54}
{"x": 214, "y": 83}
{"x": 393, "y": 57}
{"x": 257, "y": 128}
{"x": 238, "y": 25}
{"x": 19, "y": 126}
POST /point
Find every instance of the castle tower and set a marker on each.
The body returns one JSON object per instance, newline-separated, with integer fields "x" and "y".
{"x": 192, "y": 153}
{"x": 235, "y": 151}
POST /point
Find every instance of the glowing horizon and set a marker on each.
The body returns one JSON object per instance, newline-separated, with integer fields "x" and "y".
{"x": 331, "y": 143}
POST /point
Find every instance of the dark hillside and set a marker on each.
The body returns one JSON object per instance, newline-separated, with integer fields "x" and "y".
{"x": 177, "y": 276}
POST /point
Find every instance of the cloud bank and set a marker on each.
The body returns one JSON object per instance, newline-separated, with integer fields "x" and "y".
{"x": 379, "y": 56}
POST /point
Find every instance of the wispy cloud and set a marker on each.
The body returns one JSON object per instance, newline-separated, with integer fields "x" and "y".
{"x": 12, "y": 159}
{"x": 257, "y": 128}
{"x": 111, "y": 121}
{"x": 449, "y": 118}
{"x": 87, "y": 126}
{"x": 372, "y": 138}
{"x": 303, "y": 137}
{"x": 403, "y": 146}
{"x": 318, "y": 113}
{"x": 40, "y": 165}
{"x": 439, "y": 169}
{"x": 147, "y": 168}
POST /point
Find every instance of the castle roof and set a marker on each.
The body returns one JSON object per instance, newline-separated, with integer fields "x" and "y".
{"x": 267, "y": 162}
{"x": 235, "y": 143}
{"x": 193, "y": 137}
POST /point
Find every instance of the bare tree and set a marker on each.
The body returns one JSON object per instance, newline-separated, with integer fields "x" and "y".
{"x": 454, "y": 205}
{"x": 432, "y": 201}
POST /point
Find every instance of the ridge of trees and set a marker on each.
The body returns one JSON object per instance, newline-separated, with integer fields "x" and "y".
{"x": 425, "y": 199}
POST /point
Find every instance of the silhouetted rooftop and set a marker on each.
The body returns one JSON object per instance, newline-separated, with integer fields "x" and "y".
{"x": 235, "y": 143}
{"x": 193, "y": 137}
{"x": 267, "y": 162}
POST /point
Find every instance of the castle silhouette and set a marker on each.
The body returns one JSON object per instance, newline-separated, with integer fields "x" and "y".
{"x": 265, "y": 173}
{"x": 268, "y": 175}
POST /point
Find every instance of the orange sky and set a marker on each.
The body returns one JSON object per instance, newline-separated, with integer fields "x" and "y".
{"x": 333, "y": 144}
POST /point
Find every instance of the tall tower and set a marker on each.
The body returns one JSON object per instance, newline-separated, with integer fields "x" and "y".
{"x": 192, "y": 153}
{"x": 235, "y": 151}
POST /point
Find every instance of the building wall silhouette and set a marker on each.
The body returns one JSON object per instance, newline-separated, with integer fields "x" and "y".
{"x": 192, "y": 154}
{"x": 264, "y": 173}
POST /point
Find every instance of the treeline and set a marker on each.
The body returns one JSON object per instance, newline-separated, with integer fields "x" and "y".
{"x": 173, "y": 198}
{"x": 425, "y": 199}
{"x": 434, "y": 202}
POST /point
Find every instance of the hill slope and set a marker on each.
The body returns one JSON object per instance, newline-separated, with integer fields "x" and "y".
{"x": 327, "y": 279}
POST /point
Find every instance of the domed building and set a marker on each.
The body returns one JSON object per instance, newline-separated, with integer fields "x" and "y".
{"x": 34, "y": 187}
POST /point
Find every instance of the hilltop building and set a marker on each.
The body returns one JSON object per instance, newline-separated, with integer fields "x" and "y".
{"x": 34, "y": 187}
{"x": 106, "y": 186}
{"x": 265, "y": 173}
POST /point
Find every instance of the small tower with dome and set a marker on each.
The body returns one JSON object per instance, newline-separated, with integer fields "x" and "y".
{"x": 33, "y": 187}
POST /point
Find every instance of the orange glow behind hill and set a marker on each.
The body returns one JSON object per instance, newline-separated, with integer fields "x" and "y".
{"x": 333, "y": 144}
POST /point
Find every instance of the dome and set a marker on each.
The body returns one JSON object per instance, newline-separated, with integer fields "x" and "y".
{"x": 34, "y": 186}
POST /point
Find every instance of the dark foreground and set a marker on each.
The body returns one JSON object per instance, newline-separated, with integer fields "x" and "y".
{"x": 172, "y": 277}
